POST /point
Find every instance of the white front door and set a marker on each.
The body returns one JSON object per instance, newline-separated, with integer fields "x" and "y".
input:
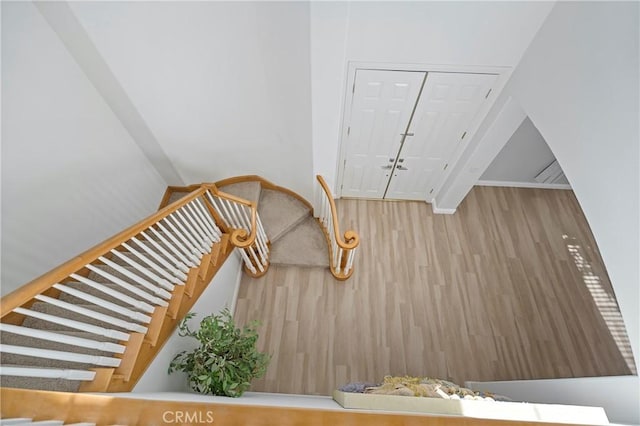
{"x": 383, "y": 102}
{"x": 446, "y": 108}
{"x": 434, "y": 110}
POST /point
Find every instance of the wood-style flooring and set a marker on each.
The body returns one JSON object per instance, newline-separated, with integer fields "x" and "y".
{"x": 510, "y": 287}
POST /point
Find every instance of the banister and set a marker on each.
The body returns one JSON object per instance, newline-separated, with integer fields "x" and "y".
{"x": 26, "y": 292}
{"x": 239, "y": 237}
{"x": 351, "y": 238}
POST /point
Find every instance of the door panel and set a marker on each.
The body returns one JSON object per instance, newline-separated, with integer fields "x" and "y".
{"x": 446, "y": 109}
{"x": 382, "y": 105}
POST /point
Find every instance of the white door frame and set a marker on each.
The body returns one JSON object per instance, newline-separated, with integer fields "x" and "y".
{"x": 503, "y": 73}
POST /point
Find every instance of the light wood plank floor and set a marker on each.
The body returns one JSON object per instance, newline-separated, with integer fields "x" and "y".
{"x": 510, "y": 287}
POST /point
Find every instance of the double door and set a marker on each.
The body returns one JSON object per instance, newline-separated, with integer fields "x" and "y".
{"x": 405, "y": 127}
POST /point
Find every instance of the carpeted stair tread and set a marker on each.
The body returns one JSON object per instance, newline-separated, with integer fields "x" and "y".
{"x": 304, "y": 245}
{"x": 104, "y": 296}
{"x": 63, "y": 313}
{"x": 20, "y": 340}
{"x": 176, "y": 195}
{"x": 38, "y": 383}
{"x": 249, "y": 191}
{"x": 280, "y": 212}
{"x": 32, "y": 361}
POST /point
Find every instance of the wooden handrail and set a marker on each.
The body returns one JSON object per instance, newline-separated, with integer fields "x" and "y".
{"x": 351, "y": 238}
{"x": 120, "y": 409}
{"x": 239, "y": 237}
{"x": 26, "y": 292}
{"x": 264, "y": 183}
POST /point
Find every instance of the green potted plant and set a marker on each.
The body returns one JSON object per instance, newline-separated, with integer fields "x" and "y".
{"x": 226, "y": 359}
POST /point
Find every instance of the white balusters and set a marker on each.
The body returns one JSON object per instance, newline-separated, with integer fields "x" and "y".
{"x": 92, "y": 314}
{"x": 188, "y": 257}
{"x": 198, "y": 227}
{"x": 137, "y": 316}
{"x": 342, "y": 252}
{"x": 133, "y": 289}
{"x": 350, "y": 258}
{"x": 239, "y": 216}
{"x": 184, "y": 262}
{"x": 47, "y": 373}
{"x": 62, "y": 338}
{"x": 78, "y": 325}
{"x": 162, "y": 282}
{"x": 204, "y": 214}
{"x": 247, "y": 261}
{"x": 60, "y": 355}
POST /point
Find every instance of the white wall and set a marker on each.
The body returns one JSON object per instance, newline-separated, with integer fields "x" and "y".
{"x": 615, "y": 394}
{"x": 525, "y": 155}
{"x": 578, "y": 82}
{"x": 221, "y": 293}
{"x": 71, "y": 175}
{"x": 223, "y": 86}
{"x": 457, "y": 33}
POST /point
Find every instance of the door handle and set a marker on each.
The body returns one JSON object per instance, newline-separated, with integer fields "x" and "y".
{"x": 387, "y": 167}
{"x": 401, "y": 167}
{"x": 406, "y": 134}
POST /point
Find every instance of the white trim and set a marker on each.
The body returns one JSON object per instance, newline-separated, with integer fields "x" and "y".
{"x": 523, "y": 184}
{"x": 437, "y": 210}
{"x": 503, "y": 73}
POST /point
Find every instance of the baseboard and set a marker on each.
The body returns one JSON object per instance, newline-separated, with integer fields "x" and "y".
{"x": 536, "y": 185}
{"x": 438, "y": 210}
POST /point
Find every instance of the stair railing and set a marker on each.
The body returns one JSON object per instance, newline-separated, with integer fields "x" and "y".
{"x": 341, "y": 250}
{"x": 248, "y": 235}
{"x": 162, "y": 254}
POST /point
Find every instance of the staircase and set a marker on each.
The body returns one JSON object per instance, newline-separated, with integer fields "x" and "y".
{"x": 296, "y": 237}
{"x": 95, "y": 323}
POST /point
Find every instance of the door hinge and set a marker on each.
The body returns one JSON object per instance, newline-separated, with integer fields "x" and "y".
{"x": 348, "y": 130}
{"x": 463, "y": 135}
{"x": 487, "y": 95}
{"x": 445, "y": 166}
{"x": 353, "y": 89}
{"x": 431, "y": 192}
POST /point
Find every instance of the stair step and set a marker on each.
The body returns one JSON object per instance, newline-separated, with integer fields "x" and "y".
{"x": 112, "y": 271}
{"x": 40, "y": 383}
{"x": 280, "y": 212}
{"x": 104, "y": 296}
{"x": 249, "y": 191}
{"x": 31, "y": 342}
{"x": 15, "y": 421}
{"x": 61, "y": 312}
{"x": 177, "y": 195}
{"x": 304, "y": 245}
{"x": 129, "y": 255}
